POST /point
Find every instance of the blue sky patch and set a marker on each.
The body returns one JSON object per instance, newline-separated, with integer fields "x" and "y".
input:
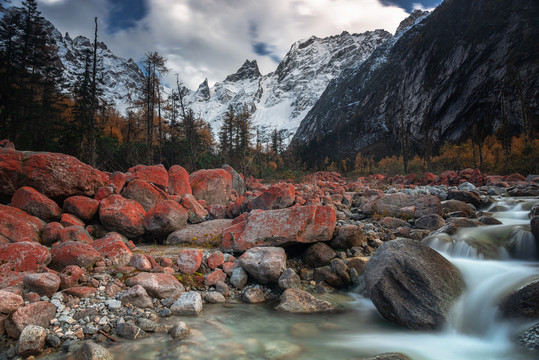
{"x": 408, "y": 5}
{"x": 125, "y": 14}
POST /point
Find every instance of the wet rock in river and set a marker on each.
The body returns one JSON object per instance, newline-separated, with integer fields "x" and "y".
{"x": 412, "y": 285}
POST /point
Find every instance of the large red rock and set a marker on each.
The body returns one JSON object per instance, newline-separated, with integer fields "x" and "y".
{"x": 214, "y": 186}
{"x": 36, "y": 204}
{"x": 158, "y": 285}
{"x": 70, "y": 276}
{"x": 165, "y": 218}
{"x": 83, "y": 207}
{"x": 189, "y": 260}
{"x": 112, "y": 247}
{"x": 68, "y": 220}
{"x": 117, "y": 180}
{"x": 75, "y": 233}
{"x": 16, "y": 229}
{"x": 39, "y": 313}
{"x": 295, "y": 225}
{"x": 73, "y": 253}
{"x": 24, "y": 256}
{"x": 35, "y": 222}
{"x": 53, "y": 175}
{"x": 196, "y": 212}
{"x": 144, "y": 193}
{"x": 156, "y": 174}
{"x": 178, "y": 181}
{"x": 51, "y": 233}
{"x": 122, "y": 215}
{"x": 279, "y": 196}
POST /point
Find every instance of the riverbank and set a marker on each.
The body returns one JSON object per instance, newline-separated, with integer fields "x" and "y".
{"x": 88, "y": 273}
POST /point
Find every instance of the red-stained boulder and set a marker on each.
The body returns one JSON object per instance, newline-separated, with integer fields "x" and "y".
{"x": 165, "y": 218}
{"x": 122, "y": 215}
{"x": 73, "y": 253}
{"x": 16, "y": 229}
{"x": 45, "y": 284}
{"x": 214, "y": 277}
{"x": 9, "y": 302}
{"x": 53, "y": 175}
{"x": 70, "y": 276}
{"x": 39, "y": 313}
{"x": 36, "y": 204}
{"x": 156, "y": 175}
{"x": 81, "y": 292}
{"x": 113, "y": 247}
{"x": 144, "y": 193}
{"x": 234, "y": 208}
{"x": 117, "y": 180}
{"x": 195, "y": 211}
{"x": 430, "y": 178}
{"x": 51, "y": 233}
{"x": 298, "y": 224}
{"x": 217, "y": 211}
{"x": 214, "y": 186}
{"x": 451, "y": 176}
{"x": 83, "y": 207}
{"x": 158, "y": 285}
{"x": 24, "y": 256}
{"x": 68, "y": 220}
{"x": 279, "y": 196}
{"x": 515, "y": 177}
{"x": 75, "y": 233}
{"x": 103, "y": 192}
{"x": 189, "y": 260}
{"x": 178, "y": 181}
{"x": 35, "y": 222}
{"x": 216, "y": 259}
{"x": 140, "y": 262}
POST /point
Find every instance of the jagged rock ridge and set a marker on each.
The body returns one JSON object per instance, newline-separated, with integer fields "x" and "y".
{"x": 282, "y": 98}
{"x": 453, "y": 69}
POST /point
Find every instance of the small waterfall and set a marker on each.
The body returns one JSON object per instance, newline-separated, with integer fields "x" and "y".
{"x": 487, "y": 283}
{"x": 494, "y": 261}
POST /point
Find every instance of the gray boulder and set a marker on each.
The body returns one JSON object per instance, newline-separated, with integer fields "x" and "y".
{"x": 31, "y": 341}
{"x": 92, "y": 351}
{"x": 264, "y": 264}
{"x": 523, "y": 303}
{"x": 412, "y": 285}
{"x": 189, "y": 303}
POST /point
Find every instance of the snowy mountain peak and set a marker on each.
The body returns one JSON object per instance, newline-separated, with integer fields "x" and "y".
{"x": 249, "y": 70}
{"x": 203, "y": 92}
{"x": 282, "y": 98}
{"x": 410, "y": 20}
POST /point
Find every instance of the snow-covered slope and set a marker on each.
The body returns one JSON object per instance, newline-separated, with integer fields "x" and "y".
{"x": 282, "y": 98}
{"x": 118, "y": 75}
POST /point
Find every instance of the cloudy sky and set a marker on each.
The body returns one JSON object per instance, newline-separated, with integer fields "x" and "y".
{"x": 212, "y": 38}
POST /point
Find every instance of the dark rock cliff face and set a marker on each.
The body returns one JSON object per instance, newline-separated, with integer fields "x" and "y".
{"x": 469, "y": 67}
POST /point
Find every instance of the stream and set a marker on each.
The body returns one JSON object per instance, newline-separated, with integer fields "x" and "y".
{"x": 494, "y": 261}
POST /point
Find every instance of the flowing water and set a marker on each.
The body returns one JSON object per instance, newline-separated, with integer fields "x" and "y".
{"x": 494, "y": 261}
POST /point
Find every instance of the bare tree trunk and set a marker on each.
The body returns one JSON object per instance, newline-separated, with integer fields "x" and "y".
{"x": 93, "y": 153}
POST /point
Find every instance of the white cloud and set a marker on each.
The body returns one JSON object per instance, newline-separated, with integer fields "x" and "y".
{"x": 212, "y": 38}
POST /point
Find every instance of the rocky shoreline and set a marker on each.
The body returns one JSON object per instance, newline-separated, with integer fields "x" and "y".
{"x": 88, "y": 258}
